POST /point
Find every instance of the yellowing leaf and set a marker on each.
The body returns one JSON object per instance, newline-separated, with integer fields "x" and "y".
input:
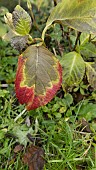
{"x": 80, "y": 15}
{"x": 73, "y": 69}
{"x": 91, "y": 74}
{"x": 39, "y": 76}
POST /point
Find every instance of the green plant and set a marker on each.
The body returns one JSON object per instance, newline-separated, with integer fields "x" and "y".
{"x": 35, "y": 85}
{"x": 64, "y": 127}
{"x": 81, "y": 87}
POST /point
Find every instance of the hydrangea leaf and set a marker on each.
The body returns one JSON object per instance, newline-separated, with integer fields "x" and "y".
{"x": 39, "y": 76}
{"x": 91, "y": 73}
{"x": 88, "y": 50}
{"x": 73, "y": 69}
{"x": 77, "y": 14}
{"x": 21, "y": 21}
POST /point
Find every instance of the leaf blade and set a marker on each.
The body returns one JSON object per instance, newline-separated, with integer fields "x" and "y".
{"x": 88, "y": 50}
{"x": 79, "y": 15}
{"x": 91, "y": 74}
{"x": 21, "y": 21}
{"x": 73, "y": 69}
{"x": 39, "y": 76}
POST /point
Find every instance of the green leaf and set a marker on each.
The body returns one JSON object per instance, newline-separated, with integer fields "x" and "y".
{"x": 2, "y": 133}
{"x": 56, "y": 33}
{"x": 77, "y": 14}
{"x": 86, "y": 110}
{"x": 93, "y": 38}
{"x": 3, "y": 11}
{"x": 91, "y": 74}
{"x": 21, "y": 21}
{"x": 73, "y": 69}
{"x": 84, "y": 38}
{"x": 68, "y": 98}
{"x": 4, "y": 93}
{"x": 88, "y": 50}
{"x": 3, "y": 29}
{"x": 21, "y": 134}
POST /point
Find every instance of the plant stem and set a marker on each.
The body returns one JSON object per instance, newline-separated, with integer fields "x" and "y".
{"x": 55, "y": 3}
{"x": 20, "y": 115}
{"x": 44, "y": 31}
{"x": 32, "y": 15}
{"x": 95, "y": 156}
{"x": 19, "y": 2}
{"x": 31, "y": 12}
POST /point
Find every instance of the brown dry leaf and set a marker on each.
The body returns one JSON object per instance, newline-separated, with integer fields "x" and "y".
{"x": 34, "y": 158}
{"x": 85, "y": 126}
{"x": 18, "y": 148}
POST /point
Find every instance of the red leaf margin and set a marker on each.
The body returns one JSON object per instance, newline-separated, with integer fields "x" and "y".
{"x": 26, "y": 95}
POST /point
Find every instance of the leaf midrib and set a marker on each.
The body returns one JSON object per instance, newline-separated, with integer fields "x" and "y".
{"x": 71, "y": 69}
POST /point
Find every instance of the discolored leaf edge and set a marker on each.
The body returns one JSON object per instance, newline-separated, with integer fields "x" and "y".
{"x": 31, "y": 100}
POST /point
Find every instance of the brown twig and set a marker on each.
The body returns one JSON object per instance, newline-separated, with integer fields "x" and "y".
{"x": 77, "y": 39}
{"x": 68, "y": 37}
{"x": 55, "y": 2}
{"x": 62, "y": 29}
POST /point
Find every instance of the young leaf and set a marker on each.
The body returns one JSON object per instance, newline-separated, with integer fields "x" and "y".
{"x": 91, "y": 74}
{"x": 21, "y": 21}
{"x": 8, "y": 20}
{"x": 73, "y": 69}
{"x": 39, "y": 76}
{"x": 79, "y": 15}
